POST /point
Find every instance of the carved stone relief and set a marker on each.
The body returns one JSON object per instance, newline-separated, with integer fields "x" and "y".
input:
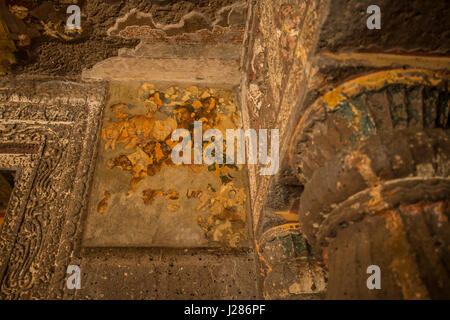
{"x": 58, "y": 123}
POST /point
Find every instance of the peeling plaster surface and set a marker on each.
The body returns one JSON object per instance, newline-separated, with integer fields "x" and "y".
{"x": 140, "y": 198}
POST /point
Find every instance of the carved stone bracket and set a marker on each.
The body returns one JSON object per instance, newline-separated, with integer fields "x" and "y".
{"x": 360, "y": 108}
{"x": 290, "y": 270}
{"x": 374, "y": 157}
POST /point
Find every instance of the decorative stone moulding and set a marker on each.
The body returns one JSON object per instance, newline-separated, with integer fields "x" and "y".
{"x": 374, "y": 156}
{"x": 53, "y": 128}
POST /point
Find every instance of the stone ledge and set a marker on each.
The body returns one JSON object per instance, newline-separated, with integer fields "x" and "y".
{"x": 192, "y": 71}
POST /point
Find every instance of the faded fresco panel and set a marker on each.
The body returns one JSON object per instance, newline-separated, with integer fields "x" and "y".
{"x": 140, "y": 197}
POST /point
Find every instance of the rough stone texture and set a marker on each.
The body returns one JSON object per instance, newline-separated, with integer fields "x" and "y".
{"x": 51, "y": 57}
{"x": 406, "y": 26}
{"x": 167, "y": 274}
{"x": 224, "y": 51}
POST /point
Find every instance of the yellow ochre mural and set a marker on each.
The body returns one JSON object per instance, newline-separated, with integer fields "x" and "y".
{"x": 137, "y": 141}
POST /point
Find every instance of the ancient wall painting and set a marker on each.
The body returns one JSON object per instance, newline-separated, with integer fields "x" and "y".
{"x": 139, "y": 197}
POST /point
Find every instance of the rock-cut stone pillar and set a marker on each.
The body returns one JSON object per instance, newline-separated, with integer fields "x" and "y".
{"x": 374, "y": 157}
